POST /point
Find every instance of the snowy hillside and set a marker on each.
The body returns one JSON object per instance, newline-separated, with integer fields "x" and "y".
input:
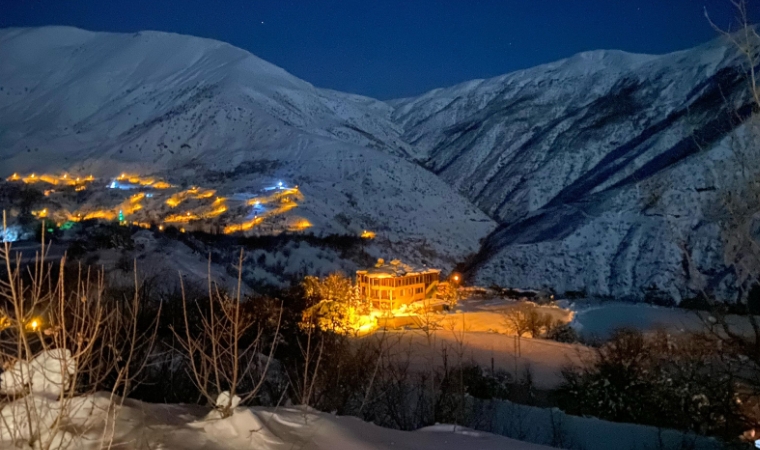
{"x": 600, "y": 167}
{"x": 198, "y": 111}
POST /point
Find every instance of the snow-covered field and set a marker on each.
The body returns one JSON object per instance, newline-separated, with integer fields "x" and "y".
{"x": 477, "y": 332}
{"x": 545, "y": 359}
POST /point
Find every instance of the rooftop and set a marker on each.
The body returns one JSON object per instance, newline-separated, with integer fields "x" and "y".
{"x": 395, "y": 268}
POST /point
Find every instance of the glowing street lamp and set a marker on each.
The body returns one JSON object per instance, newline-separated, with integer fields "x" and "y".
{"x": 34, "y": 324}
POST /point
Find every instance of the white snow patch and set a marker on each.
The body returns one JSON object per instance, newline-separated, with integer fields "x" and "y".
{"x": 48, "y": 373}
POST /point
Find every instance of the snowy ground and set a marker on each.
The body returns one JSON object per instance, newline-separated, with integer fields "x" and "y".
{"x": 45, "y": 415}
{"x": 479, "y": 314}
{"x": 487, "y": 314}
{"x": 141, "y": 425}
{"x": 557, "y": 429}
{"x": 477, "y": 332}
{"x": 288, "y": 428}
{"x": 99, "y": 420}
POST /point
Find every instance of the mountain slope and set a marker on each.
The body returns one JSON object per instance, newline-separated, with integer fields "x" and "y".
{"x": 198, "y": 111}
{"x": 600, "y": 168}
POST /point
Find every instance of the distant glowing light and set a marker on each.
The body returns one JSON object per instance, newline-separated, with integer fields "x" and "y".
{"x": 10, "y": 234}
{"x": 302, "y": 224}
{"x": 34, "y": 324}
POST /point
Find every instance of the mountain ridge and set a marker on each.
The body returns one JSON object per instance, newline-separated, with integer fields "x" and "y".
{"x": 548, "y": 153}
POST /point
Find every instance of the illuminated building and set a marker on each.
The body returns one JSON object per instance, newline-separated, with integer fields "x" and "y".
{"x": 388, "y": 286}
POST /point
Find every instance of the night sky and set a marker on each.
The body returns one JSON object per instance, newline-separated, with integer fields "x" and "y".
{"x": 396, "y": 48}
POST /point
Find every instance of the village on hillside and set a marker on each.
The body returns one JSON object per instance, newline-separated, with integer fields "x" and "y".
{"x": 149, "y": 202}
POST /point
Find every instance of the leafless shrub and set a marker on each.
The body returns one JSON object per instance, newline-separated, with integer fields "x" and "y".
{"x": 66, "y": 341}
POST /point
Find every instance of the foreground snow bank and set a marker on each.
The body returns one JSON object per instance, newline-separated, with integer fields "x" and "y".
{"x": 183, "y": 427}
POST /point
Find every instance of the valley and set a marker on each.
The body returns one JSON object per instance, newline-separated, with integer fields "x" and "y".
{"x": 190, "y": 228}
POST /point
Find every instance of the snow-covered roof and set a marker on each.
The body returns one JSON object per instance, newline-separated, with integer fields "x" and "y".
{"x": 395, "y": 268}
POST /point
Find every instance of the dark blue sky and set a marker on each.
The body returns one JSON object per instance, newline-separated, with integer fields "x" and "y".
{"x": 396, "y": 48}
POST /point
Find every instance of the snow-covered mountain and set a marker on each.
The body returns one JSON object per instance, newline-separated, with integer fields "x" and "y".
{"x": 204, "y": 112}
{"x": 601, "y": 168}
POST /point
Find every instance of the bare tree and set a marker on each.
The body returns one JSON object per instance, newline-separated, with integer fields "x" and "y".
{"x": 230, "y": 352}
{"x": 312, "y": 352}
{"x": 428, "y": 321}
{"x": 525, "y": 318}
